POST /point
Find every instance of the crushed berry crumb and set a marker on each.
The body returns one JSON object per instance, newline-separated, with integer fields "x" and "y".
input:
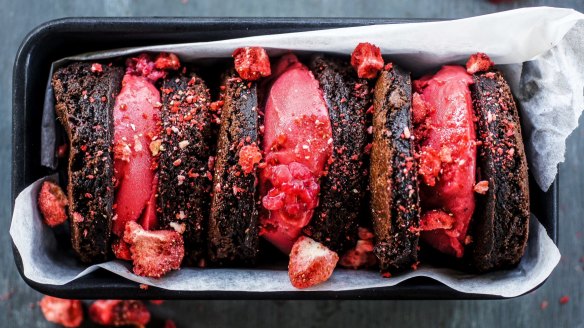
{"x": 367, "y": 61}
{"x": 96, "y": 68}
{"x": 252, "y": 63}
{"x": 68, "y": 313}
{"x": 52, "y": 202}
{"x": 478, "y": 62}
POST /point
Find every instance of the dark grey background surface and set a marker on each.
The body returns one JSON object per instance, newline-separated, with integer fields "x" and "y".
{"x": 18, "y": 302}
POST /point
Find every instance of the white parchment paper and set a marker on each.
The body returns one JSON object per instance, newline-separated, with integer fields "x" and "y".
{"x": 539, "y": 49}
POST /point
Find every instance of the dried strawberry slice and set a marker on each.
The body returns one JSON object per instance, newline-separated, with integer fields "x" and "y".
{"x": 68, "y": 313}
{"x": 154, "y": 253}
{"x": 167, "y": 61}
{"x": 252, "y": 63}
{"x": 249, "y": 156}
{"x": 479, "y": 62}
{"x": 52, "y": 202}
{"x": 310, "y": 263}
{"x": 367, "y": 61}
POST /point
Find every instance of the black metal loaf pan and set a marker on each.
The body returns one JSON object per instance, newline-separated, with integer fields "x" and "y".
{"x": 66, "y": 37}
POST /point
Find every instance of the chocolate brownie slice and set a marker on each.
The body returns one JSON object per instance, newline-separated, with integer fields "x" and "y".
{"x": 233, "y": 223}
{"x": 342, "y": 189}
{"x": 85, "y": 96}
{"x": 184, "y": 167}
{"x": 393, "y": 181}
{"x": 501, "y": 221}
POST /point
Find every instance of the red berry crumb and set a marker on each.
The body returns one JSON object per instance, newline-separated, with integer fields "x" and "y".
{"x": 481, "y": 187}
{"x": 119, "y": 313}
{"x": 252, "y": 63}
{"x": 169, "y": 324}
{"x": 167, "y": 61}
{"x": 544, "y": 305}
{"x": 310, "y": 263}
{"x": 367, "y": 61}
{"x": 52, "y": 202}
{"x": 154, "y": 253}
{"x": 564, "y": 299}
{"x": 96, "y": 68}
{"x": 68, "y": 313}
{"x": 478, "y": 62}
{"x": 249, "y": 155}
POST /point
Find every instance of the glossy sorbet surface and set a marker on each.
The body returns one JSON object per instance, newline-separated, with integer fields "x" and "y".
{"x": 297, "y": 144}
{"x": 444, "y": 130}
{"x": 136, "y": 114}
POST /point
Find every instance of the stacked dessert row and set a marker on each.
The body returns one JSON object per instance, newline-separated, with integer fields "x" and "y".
{"x": 331, "y": 160}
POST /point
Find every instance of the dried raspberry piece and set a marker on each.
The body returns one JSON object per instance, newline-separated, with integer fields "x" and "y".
{"x": 121, "y": 250}
{"x": 68, "y": 313}
{"x": 252, "y": 63}
{"x": 156, "y": 302}
{"x": 169, "y": 324}
{"x": 564, "y": 299}
{"x": 310, "y": 263}
{"x": 367, "y": 61}
{"x": 167, "y": 61}
{"x": 52, "y": 202}
{"x": 249, "y": 155}
{"x": 154, "y": 253}
{"x": 479, "y": 62}
{"x": 119, "y": 313}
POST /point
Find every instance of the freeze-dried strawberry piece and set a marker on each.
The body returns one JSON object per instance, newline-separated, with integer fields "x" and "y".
{"x": 167, "y": 61}
{"x": 478, "y": 62}
{"x": 68, "y": 313}
{"x": 52, "y": 202}
{"x": 367, "y": 61}
{"x": 96, "y": 68}
{"x": 121, "y": 250}
{"x": 310, "y": 263}
{"x": 154, "y": 253}
{"x": 252, "y": 63}
{"x": 249, "y": 156}
{"x": 119, "y": 313}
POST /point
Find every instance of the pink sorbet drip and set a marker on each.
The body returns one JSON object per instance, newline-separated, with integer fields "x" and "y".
{"x": 297, "y": 143}
{"x": 447, "y": 156}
